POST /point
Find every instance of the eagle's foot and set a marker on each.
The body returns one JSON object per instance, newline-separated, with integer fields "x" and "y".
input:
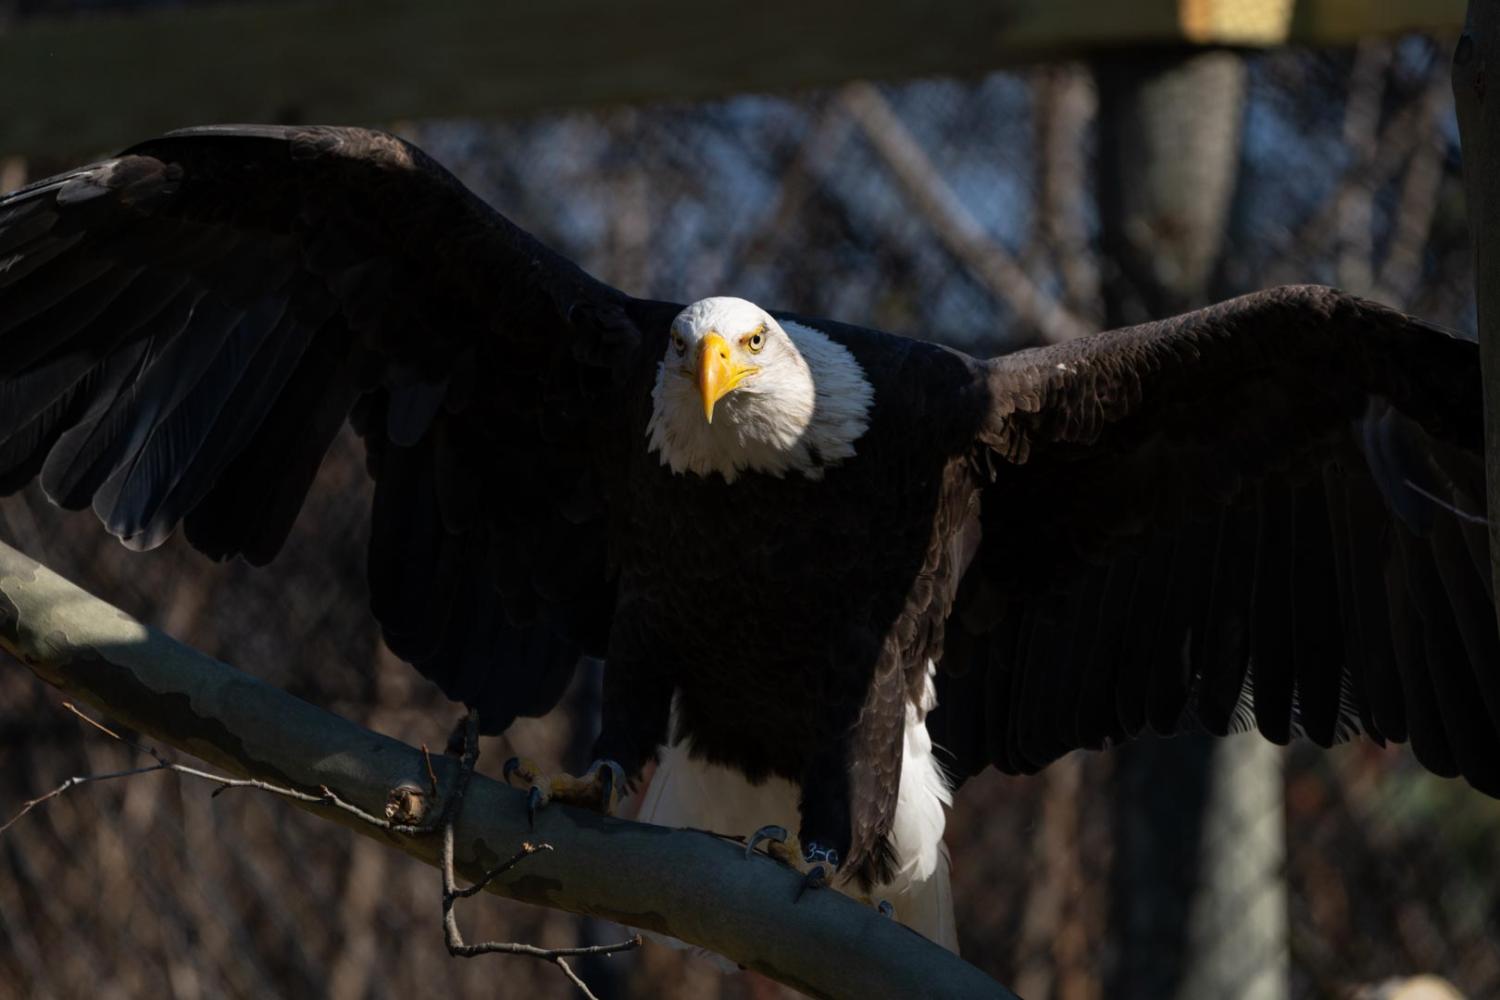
{"x": 599, "y": 788}
{"x": 817, "y": 863}
{"x": 779, "y": 844}
{"x": 816, "y": 877}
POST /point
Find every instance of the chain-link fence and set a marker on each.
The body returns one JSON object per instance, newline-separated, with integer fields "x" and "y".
{"x": 964, "y": 212}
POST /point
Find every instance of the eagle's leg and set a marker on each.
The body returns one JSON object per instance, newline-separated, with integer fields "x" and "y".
{"x": 599, "y": 788}
{"x": 816, "y": 863}
{"x": 637, "y": 704}
{"x": 850, "y": 782}
{"x": 822, "y": 843}
{"x": 787, "y": 849}
{"x": 827, "y": 822}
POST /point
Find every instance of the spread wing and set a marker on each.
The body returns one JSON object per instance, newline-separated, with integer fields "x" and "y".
{"x": 1266, "y": 513}
{"x": 184, "y": 329}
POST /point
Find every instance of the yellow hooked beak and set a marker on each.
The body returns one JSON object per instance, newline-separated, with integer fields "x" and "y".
{"x": 718, "y": 372}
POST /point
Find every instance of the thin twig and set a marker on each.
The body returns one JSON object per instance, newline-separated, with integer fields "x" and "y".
{"x": 526, "y": 851}
{"x": 325, "y": 796}
{"x": 151, "y": 751}
{"x": 452, "y": 936}
{"x": 74, "y": 782}
{"x": 454, "y": 939}
{"x": 432, "y": 782}
{"x": 447, "y": 816}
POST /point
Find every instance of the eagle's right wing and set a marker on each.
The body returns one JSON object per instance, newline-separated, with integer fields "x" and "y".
{"x": 1265, "y": 513}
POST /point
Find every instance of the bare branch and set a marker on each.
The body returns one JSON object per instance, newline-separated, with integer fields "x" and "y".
{"x": 325, "y": 797}
{"x": 697, "y": 888}
{"x": 1355, "y": 204}
{"x": 455, "y": 940}
{"x": 451, "y": 808}
{"x": 799, "y": 183}
{"x": 985, "y": 258}
{"x": 452, "y": 937}
{"x": 526, "y": 851}
{"x": 74, "y": 782}
{"x": 1397, "y": 143}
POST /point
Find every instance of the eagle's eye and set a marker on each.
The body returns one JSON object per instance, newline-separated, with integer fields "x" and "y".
{"x": 679, "y": 343}
{"x": 756, "y": 340}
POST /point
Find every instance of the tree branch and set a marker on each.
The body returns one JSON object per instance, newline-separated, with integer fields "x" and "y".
{"x": 398, "y": 808}
{"x": 692, "y": 886}
{"x": 986, "y": 259}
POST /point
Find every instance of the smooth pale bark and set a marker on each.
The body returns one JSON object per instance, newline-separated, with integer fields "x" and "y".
{"x": 693, "y": 886}
{"x": 1476, "y": 60}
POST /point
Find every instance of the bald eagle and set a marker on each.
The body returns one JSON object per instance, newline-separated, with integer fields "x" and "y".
{"x": 810, "y": 553}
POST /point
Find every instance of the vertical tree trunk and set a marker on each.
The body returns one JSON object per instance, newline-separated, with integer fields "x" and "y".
{"x": 1477, "y": 54}
{"x": 1199, "y": 889}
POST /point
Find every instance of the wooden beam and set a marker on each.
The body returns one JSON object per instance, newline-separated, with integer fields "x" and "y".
{"x": 87, "y": 85}
{"x": 1344, "y": 22}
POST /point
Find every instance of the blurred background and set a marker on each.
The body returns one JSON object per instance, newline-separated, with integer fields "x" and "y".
{"x": 1111, "y": 173}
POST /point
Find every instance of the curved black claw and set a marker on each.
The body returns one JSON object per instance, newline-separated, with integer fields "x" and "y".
{"x": 612, "y": 782}
{"x": 533, "y": 803}
{"x": 510, "y": 767}
{"x": 885, "y": 909}
{"x": 823, "y": 861}
{"x": 815, "y": 878}
{"x": 776, "y": 833}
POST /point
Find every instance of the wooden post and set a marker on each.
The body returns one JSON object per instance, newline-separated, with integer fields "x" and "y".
{"x": 1476, "y": 63}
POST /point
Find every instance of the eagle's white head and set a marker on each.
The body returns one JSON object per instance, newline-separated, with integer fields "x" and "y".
{"x": 738, "y": 390}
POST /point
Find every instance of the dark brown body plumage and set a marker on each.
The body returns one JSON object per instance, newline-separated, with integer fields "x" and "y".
{"x": 766, "y": 623}
{"x": 1254, "y": 514}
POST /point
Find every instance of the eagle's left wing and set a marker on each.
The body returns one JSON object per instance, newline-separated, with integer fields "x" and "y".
{"x": 185, "y": 327}
{"x": 1267, "y": 512}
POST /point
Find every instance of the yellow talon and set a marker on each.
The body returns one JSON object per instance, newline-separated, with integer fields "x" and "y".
{"x": 598, "y": 789}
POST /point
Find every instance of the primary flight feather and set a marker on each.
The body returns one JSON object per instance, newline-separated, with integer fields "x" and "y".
{"x": 808, "y": 551}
